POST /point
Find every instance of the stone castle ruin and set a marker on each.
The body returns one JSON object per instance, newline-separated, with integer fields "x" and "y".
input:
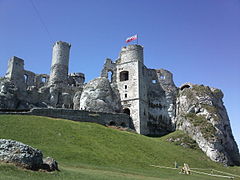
{"x": 149, "y": 96}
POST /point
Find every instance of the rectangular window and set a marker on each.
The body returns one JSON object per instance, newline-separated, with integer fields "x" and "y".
{"x": 125, "y": 86}
{"x": 124, "y": 76}
{"x": 125, "y": 95}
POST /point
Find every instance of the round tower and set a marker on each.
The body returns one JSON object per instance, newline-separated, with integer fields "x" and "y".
{"x": 131, "y": 53}
{"x": 60, "y": 61}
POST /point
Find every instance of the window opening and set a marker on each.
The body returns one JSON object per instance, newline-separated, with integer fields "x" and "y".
{"x": 185, "y": 86}
{"x": 124, "y": 76}
{"x": 25, "y": 78}
{"x": 162, "y": 77}
{"x": 44, "y": 79}
{"x": 110, "y": 73}
{"x": 127, "y": 111}
{"x": 154, "y": 81}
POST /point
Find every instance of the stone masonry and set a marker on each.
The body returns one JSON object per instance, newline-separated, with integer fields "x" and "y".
{"x": 149, "y": 96}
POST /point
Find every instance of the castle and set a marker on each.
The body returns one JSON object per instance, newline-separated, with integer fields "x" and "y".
{"x": 149, "y": 96}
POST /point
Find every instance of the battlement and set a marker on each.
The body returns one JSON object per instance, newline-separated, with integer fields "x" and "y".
{"x": 132, "y": 47}
{"x": 62, "y": 43}
{"x": 131, "y": 53}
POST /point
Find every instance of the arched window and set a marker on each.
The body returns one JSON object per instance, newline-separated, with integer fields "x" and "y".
{"x": 25, "y": 78}
{"x": 110, "y": 73}
{"x": 185, "y": 86}
{"x": 44, "y": 79}
{"x": 124, "y": 76}
{"x": 127, "y": 111}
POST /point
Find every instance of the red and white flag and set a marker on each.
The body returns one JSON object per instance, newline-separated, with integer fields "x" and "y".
{"x": 129, "y": 39}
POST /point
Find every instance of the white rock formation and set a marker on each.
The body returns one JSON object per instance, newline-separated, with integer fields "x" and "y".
{"x": 99, "y": 96}
{"x": 202, "y": 115}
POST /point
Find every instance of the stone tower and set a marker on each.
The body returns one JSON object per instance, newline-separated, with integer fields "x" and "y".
{"x": 132, "y": 86}
{"x": 15, "y": 72}
{"x": 60, "y": 61}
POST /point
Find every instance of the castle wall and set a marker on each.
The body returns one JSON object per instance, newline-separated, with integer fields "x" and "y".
{"x": 15, "y": 72}
{"x": 41, "y": 80}
{"x": 143, "y": 99}
{"x": 29, "y": 78}
{"x": 109, "y": 66}
{"x": 60, "y": 62}
{"x": 81, "y": 116}
{"x": 76, "y": 79}
{"x": 161, "y": 101}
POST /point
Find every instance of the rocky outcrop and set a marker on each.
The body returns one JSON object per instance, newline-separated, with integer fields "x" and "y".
{"x": 202, "y": 115}
{"x": 99, "y": 96}
{"x": 25, "y": 156}
{"x": 20, "y": 154}
{"x": 50, "y": 164}
{"x": 8, "y": 94}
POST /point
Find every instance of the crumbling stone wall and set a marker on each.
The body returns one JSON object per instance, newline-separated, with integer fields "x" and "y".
{"x": 109, "y": 66}
{"x": 118, "y": 119}
{"x": 161, "y": 101}
{"x": 148, "y": 95}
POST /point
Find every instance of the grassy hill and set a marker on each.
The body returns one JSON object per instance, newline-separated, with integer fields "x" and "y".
{"x": 92, "y": 151}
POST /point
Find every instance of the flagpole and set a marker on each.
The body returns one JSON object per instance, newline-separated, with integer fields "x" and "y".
{"x": 137, "y": 39}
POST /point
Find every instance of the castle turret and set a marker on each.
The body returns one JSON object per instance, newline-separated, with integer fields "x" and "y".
{"x": 60, "y": 61}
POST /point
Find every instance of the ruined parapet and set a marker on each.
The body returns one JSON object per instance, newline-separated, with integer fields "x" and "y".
{"x": 60, "y": 61}
{"x": 109, "y": 66}
{"x": 15, "y": 72}
{"x": 131, "y": 53}
{"x": 165, "y": 78}
{"x": 29, "y": 78}
{"x": 41, "y": 80}
{"x": 76, "y": 79}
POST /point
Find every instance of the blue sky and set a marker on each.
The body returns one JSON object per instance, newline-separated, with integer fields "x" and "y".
{"x": 198, "y": 41}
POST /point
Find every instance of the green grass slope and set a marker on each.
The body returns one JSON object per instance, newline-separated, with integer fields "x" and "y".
{"x": 92, "y": 151}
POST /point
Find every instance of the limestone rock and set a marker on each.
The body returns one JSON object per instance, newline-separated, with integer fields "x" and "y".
{"x": 8, "y": 94}
{"x": 76, "y": 100}
{"x": 202, "y": 115}
{"x": 20, "y": 154}
{"x": 98, "y": 95}
{"x": 50, "y": 164}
